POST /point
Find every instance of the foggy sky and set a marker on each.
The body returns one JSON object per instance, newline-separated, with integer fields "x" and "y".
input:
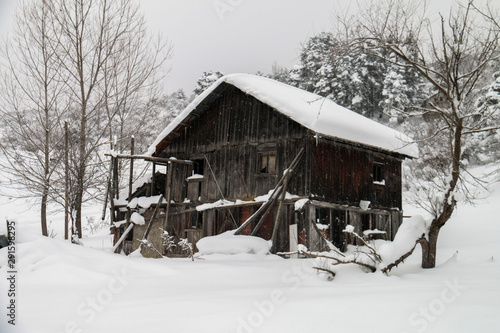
{"x": 231, "y": 35}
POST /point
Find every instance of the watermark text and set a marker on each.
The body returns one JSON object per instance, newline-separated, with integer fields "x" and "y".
{"x": 11, "y": 273}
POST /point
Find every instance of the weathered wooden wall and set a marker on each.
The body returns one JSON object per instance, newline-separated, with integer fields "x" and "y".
{"x": 235, "y": 127}
{"x": 342, "y": 174}
{"x": 226, "y": 134}
{"x": 229, "y": 135}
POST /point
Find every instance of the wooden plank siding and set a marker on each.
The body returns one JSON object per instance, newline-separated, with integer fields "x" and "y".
{"x": 343, "y": 174}
{"x": 224, "y": 137}
{"x": 229, "y": 135}
{"x": 236, "y": 127}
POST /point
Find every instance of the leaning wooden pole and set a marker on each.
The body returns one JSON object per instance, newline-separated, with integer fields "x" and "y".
{"x": 272, "y": 199}
{"x": 271, "y": 202}
{"x": 274, "y": 236}
{"x": 286, "y": 178}
{"x": 157, "y": 208}
{"x": 130, "y": 182}
{"x": 122, "y": 238}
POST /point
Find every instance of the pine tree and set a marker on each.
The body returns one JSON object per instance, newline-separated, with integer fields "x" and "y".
{"x": 358, "y": 79}
{"x": 484, "y": 147}
{"x": 315, "y": 54}
{"x": 206, "y": 80}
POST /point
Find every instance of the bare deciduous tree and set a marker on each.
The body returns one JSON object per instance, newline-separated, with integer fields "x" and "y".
{"x": 98, "y": 60}
{"x": 32, "y": 104}
{"x": 108, "y": 59}
{"x": 452, "y": 54}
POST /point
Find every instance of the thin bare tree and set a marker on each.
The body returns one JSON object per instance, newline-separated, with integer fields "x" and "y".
{"x": 91, "y": 63}
{"x": 103, "y": 44}
{"x": 452, "y": 52}
{"x": 32, "y": 103}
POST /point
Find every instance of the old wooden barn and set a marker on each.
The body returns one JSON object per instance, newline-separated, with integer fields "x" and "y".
{"x": 270, "y": 160}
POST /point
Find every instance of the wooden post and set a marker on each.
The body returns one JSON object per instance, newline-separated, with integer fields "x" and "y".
{"x": 168, "y": 189}
{"x": 116, "y": 187}
{"x": 131, "y": 176}
{"x": 111, "y": 191}
{"x": 130, "y": 180}
{"x": 153, "y": 180}
{"x": 108, "y": 190}
{"x": 66, "y": 180}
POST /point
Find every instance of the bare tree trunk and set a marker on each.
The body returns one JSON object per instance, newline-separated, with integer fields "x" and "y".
{"x": 429, "y": 249}
{"x": 43, "y": 213}
{"x": 81, "y": 172}
{"x": 31, "y": 103}
{"x": 46, "y": 181}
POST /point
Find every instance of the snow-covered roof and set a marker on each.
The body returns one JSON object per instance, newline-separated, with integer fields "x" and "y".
{"x": 319, "y": 114}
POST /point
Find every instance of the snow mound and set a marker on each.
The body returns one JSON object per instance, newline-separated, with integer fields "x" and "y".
{"x": 229, "y": 243}
{"x": 137, "y": 219}
{"x": 409, "y": 231}
{"x": 143, "y": 202}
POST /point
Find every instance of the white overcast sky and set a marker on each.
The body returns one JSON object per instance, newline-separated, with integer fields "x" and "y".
{"x": 230, "y": 35}
{"x": 234, "y": 35}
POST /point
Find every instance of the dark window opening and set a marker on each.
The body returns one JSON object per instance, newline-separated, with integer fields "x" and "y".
{"x": 195, "y": 189}
{"x": 378, "y": 173}
{"x": 267, "y": 163}
{"x": 366, "y": 221}
{"x": 198, "y": 167}
{"x": 196, "y": 220}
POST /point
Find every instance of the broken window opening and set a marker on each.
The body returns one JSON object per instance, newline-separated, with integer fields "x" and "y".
{"x": 195, "y": 181}
{"x": 267, "y": 163}
{"x": 378, "y": 173}
{"x": 196, "y": 220}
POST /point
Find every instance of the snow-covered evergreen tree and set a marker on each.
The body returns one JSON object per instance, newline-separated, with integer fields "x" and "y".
{"x": 484, "y": 147}
{"x": 358, "y": 84}
{"x": 206, "y": 80}
{"x": 360, "y": 79}
{"x": 315, "y": 54}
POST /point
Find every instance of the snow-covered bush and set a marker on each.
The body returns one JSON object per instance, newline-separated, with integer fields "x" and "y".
{"x": 367, "y": 256}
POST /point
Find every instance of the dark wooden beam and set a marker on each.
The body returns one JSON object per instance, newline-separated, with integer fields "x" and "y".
{"x": 150, "y": 158}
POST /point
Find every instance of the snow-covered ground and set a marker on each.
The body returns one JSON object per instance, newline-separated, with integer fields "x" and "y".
{"x": 68, "y": 288}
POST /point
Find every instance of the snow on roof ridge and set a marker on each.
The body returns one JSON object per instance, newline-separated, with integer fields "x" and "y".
{"x": 317, "y": 113}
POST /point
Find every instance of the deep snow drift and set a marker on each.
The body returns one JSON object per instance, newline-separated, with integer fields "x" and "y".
{"x": 69, "y": 288}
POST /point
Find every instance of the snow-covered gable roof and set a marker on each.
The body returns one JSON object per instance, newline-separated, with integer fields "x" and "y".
{"x": 319, "y": 114}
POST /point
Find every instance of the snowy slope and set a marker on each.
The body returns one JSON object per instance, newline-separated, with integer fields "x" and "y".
{"x": 68, "y": 288}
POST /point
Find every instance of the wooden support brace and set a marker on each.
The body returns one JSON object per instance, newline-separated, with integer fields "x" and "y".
{"x": 272, "y": 199}
{"x": 270, "y": 205}
{"x": 150, "y": 158}
{"x": 274, "y": 236}
{"x": 122, "y": 238}
{"x": 157, "y": 208}
{"x": 254, "y": 216}
{"x": 288, "y": 176}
